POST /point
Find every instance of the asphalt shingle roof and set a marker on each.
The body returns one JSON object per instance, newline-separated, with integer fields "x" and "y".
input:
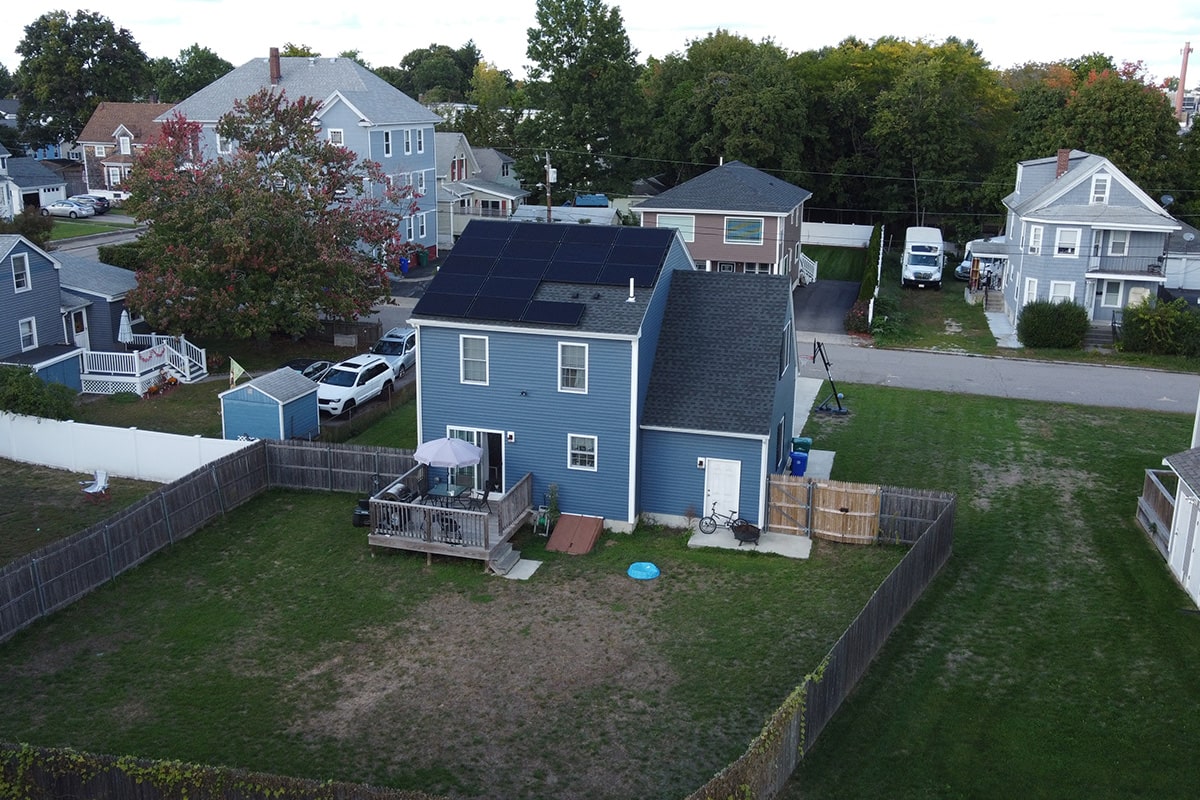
{"x": 28, "y": 173}
{"x": 731, "y": 187}
{"x": 140, "y": 119}
{"x": 84, "y": 274}
{"x": 1187, "y": 467}
{"x": 717, "y": 364}
{"x": 284, "y": 385}
{"x": 378, "y": 100}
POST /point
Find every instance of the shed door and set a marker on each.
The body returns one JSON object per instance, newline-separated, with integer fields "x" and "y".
{"x": 722, "y": 485}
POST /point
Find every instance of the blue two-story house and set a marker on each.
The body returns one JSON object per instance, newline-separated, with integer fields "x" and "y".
{"x": 1080, "y": 231}
{"x": 595, "y": 358}
{"x": 358, "y": 110}
{"x": 32, "y": 309}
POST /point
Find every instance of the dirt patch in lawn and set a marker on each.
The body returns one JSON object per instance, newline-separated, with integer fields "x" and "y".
{"x": 484, "y": 674}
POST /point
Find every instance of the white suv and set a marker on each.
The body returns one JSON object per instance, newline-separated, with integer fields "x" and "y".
{"x": 353, "y": 382}
{"x": 399, "y": 347}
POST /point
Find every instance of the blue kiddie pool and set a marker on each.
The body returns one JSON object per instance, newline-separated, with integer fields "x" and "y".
{"x": 643, "y": 571}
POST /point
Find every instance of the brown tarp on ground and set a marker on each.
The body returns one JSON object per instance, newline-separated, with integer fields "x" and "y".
{"x": 575, "y": 534}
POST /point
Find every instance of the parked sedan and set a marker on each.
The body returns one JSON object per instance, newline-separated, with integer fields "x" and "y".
{"x": 68, "y": 208}
{"x": 99, "y": 204}
{"x": 312, "y": 368}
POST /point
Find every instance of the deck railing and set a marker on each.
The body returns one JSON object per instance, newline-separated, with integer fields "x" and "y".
{"x": 112, "y": 372}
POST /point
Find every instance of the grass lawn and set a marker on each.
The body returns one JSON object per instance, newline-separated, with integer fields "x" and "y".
{"x": 1055, "y": 656}
{"x": 276, "y": 640}
{"x": 838, "y": 263}
{"x": 70, "y": 228}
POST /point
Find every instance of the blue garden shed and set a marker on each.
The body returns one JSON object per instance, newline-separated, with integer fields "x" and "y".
{"x": 279, "y": 405}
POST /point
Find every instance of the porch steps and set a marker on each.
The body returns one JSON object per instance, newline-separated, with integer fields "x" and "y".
{"x": 1098, "y": 337}
{"x": 995, "y": 301}
{"x": 504, "y": 559}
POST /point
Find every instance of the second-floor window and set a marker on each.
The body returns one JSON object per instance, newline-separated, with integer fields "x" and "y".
{"x": 473, "y": 358}
{"x": 743, "y": 230}
{"x": 1035, "y": 240}
{"x": 387, "y": 144}
{"x": 420, "y": 140}
{"x": 408, "y": 228}
{"x": 421, "y": 226}
{"x": 99, "y": 150}
{"x": 420, "y": 187}
{"x": 572, "y": 367}
{"x": 20, "y": 267}
{"x": 125, "y": 145}
{"x": 1118, "y": 243}
{"x": 684, "y": 223}
{"x": 337, "y": 137}
{"x": 1066, "y": 244}
{"x": 408, "y": 143}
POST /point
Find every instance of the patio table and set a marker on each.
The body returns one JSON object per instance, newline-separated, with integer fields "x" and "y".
{"x": 445, "y": 493}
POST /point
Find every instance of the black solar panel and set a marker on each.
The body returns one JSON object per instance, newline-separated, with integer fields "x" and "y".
{"x": 520, "y": 268}
{"x": 572, "y": 272}
{"x": 460, "y": 283}
{"x": 501, "y": 286}
{"x": 553, "y": 313}
{"x": 521, "y": 248}
{"x": 593, "y": 235}
{"x": 628, "y": 254}
{"x": 473, "y": 247}
{"x": 644, "y": 237}
{"x": 537, "y": 233}
{"x": 437, "y": 304}
{"x": 466, "y": 264}
{"x": 489, "y": 228}
{"x": 582, "y": 251}
{"x": 508, "y": 309}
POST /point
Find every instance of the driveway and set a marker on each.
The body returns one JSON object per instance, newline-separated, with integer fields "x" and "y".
{"x": 821, "y": 307}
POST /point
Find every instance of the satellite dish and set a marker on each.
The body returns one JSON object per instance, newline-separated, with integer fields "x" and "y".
{"x": 1189, "y": 236}
{"x": 1167, "y": 200}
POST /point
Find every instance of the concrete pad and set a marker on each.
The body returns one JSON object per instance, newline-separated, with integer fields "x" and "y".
{"x": 820, "y": 464}
{"x": 523, "y": 570}
{"x": 807, "y": 390}
{"x": 782, "y": 544}
{"x": 1002, "y": 329}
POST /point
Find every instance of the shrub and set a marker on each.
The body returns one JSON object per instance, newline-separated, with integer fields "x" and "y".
{"x": 1161, "y": 329}
{"x": 866, "y": 289}
{"x": 32, "y": 225}
{"x": 23, "y": 392}
{"x": 856, "y": 317}
{"x": 127, "y": 255}
{"x": 1053, "y": 325}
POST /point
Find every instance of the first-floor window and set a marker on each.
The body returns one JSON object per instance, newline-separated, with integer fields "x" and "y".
{"x": 408, "y": 228}
{"x": 1112, "y": 294}
{"x": 1062, "y": 291}
{"x": 28, "y": 328}
{"x": 473, "y": 354}
{"x": 421, "y": 226}
{"x": 581, "y": 452}
{"x": 114, "y": 176}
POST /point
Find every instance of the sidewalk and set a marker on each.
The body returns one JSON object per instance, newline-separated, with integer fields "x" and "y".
{"x": 1002, "y": 329}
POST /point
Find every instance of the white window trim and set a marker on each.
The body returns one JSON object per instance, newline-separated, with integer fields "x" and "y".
{"x": 98, "y": 151}
{"x": 1035, "y": 240}
{"x": 1069, "y": 297}
{"x": 684, "y": 223}
{"x": 1104, "y": 295}
{"x": 785, "y": 349}
{"x": 420, "y": 187}
{"x": 420, "y": 140}
{"x": 462, "y": 357}
{"x": 125, "y": 145}
{"x": 1112, "y": 243}
{"x": 23, "y": 271}
{"x": 387, "y": 144}
{"x": 408, "y": 228}
{"x": 595, "y": 453}
{"x": 562, "y": 387}
{"x": 421, "y": 230}
{"x": 408, "y": 143}
{"x": 761, "y": 231}
{"x": 1058, "y": 242}
{"x": 337, "y": 137}
{"x": 32, "y": 330}
{"x": 224, "y": 146}
{"x": 1101, "y": 183}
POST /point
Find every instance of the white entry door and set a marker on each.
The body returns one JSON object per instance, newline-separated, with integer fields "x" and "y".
{"x": 79, "y": 329}
{"x": 722, "y": 485}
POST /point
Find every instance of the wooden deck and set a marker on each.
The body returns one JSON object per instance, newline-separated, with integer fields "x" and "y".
{"x": 424, "y": 527}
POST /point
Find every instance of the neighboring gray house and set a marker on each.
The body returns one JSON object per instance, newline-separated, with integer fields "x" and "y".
{"x": 568, "y": 214}
{"x": 1080, "y": 231}
{"x": 33, "y": 309}
{"x": 736, "y": 218}
{"x": 469, "y": 188}
{"x": 36, "y": 184}
{"x": 98, "y": 290}
{"x": 358, "y": 110}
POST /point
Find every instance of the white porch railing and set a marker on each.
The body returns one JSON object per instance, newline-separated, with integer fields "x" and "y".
{"x": 808, "y": 270}
{"x": 110, "y": 373}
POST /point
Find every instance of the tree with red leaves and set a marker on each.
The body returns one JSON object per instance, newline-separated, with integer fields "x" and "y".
{"x": 282, "y": 232}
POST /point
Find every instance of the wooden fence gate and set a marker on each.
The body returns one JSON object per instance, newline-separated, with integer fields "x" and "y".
{"x": 825, "y": 509}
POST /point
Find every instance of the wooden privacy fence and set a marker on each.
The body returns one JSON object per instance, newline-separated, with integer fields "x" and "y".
{"x": 854, "y": 513}
{"x": 60, "y": 573}
{"x": 791, "y": 732}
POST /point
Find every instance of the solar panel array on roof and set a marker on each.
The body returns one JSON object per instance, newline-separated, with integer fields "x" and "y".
{"x": 496, "y": 268}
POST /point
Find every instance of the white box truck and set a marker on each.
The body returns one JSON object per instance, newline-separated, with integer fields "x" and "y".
{"x": 921, "y": 264}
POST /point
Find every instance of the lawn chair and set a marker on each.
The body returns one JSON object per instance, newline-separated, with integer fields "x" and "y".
{"x": 97, "y": 490}
{"x": 480, "y": 502}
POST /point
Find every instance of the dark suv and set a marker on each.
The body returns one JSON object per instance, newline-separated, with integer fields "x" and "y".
{"x": 100, "y": 204}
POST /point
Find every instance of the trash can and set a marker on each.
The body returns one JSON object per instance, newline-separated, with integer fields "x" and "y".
{"x": 362, "y": 513}
{"x": 422, "y": 257}
{"x": 801, "y": 444}
{"x": 799, "y": 463}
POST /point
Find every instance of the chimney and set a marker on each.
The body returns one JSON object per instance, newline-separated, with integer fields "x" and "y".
{"x": 1064, "y": 162}
{"x": 274, "y": 60}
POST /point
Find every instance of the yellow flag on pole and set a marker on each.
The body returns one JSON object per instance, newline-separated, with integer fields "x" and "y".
{"x": 236, "y": 371}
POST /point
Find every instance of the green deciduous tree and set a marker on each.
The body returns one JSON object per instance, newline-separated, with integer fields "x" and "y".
{"x": 180, "y": 78}
{"x": 269, "y": 239}
{"x": 69, "y": 65}
{"x": 435, "y": 74}
{"x": 584, "y": 84}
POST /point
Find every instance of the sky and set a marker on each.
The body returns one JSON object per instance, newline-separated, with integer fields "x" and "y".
{"x": 1007, "y": 33}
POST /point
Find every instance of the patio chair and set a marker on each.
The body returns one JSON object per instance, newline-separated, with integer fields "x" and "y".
{"x": 480, "y": 502}
{"x": 97, "y": 490}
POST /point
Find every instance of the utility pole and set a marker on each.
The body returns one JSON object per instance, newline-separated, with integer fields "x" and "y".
{"x": 1180, "y": 89}
{"x": 551, "y": 177}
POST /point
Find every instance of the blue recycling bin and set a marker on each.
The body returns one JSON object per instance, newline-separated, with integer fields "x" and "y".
{"x": 799, "y": 463}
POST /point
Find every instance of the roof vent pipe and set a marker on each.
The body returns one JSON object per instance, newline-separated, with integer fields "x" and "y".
{"x": 631, "y": 298}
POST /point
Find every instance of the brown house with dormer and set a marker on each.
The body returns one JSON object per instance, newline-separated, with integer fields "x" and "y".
{"x": 111, "y": 139}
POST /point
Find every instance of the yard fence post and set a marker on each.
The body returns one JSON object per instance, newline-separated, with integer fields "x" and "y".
{"x": 162, "y": 501}
{"x": 112, "y": 569}
{"x": 38, "y": 591}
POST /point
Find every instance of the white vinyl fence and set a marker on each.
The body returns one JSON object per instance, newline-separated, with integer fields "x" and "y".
{"x": 123, "y": 452}
{"x": 835, "y": 234}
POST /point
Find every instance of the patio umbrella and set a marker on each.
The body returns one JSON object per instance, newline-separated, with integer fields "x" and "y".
{"x": 448, "y": 452}
{"x": 125, "y": 331}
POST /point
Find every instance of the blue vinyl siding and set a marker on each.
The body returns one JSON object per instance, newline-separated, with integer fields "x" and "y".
{"x": 542, "y": 418}
{"x": 43, "y": 302}
{"x": 672, "y": 484}
{"x": 677, "y": 258}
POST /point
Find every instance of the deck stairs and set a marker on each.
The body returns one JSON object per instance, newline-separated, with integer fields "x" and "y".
{"x": 503, "y": 559}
